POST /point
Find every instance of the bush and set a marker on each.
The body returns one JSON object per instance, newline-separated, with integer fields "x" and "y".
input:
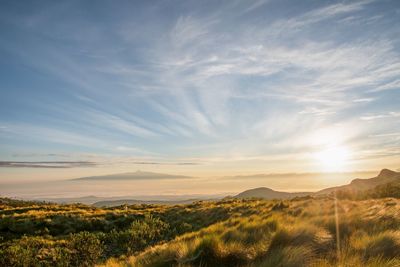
{"x": 86, "y": 249}
{"x": 143, "y": 233}
{"x": 34, "y": 251}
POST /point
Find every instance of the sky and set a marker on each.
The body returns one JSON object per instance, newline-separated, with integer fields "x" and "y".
{"x": 201, "y": 88}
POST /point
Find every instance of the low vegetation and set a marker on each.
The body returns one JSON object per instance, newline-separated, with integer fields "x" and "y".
{"x": 231, "y": 232}
{"x": 381, "y": 191}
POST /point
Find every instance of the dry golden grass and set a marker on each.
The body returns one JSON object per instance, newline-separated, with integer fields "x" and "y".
{"x": 300, "y": 233}
{"x": 232, "y": 232}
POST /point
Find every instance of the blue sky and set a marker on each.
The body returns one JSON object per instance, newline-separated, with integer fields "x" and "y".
{"x": 198, "y": 87}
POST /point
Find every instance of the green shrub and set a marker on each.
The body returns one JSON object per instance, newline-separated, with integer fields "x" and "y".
{"x": 143, "y": 233}
{"x": 34, "y": 251}
{"x": 86, "y": 249}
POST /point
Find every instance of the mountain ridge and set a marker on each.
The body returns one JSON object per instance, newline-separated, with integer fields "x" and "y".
{"x": 385, "y": 176}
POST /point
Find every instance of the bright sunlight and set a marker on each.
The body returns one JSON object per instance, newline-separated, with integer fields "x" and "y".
{"x": 333, "y": 158}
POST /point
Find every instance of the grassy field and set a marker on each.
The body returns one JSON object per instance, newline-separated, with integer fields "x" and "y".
{"x": 299, "y": 232}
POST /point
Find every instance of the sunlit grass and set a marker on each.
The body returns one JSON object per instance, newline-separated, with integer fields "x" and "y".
{"x": 248, "y": 233}
{"x": 281, "y": 237}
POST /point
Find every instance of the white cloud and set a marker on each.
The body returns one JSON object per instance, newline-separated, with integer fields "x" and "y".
{"x": 363, "y": 100}
{"x": 371, "y": 117}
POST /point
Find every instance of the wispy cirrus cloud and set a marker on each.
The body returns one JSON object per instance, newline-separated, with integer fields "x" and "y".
{"x": 230, "y": 81}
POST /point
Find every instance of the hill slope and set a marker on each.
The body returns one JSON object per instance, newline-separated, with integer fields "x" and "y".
{"x": 299, "y": 233}
{"x": 384, "y": 177}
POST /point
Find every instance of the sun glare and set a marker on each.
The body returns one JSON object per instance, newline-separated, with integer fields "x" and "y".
{"x": 333, "y": 158}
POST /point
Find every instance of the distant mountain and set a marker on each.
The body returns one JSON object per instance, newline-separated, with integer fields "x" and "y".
{"x": 138, "y": 175}
{"x": 100, "y": 201}
{"x": 66, "y": 200}
{"x": 384, "y": 177}
{"x": 268, "y": 193}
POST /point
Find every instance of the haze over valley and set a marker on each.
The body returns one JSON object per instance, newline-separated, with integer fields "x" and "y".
{"x": 156, "y": 186}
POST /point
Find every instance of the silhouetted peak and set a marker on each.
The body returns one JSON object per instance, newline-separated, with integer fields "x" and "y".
{"x": 387, "y": 173}
{"x": 357, "y": 180}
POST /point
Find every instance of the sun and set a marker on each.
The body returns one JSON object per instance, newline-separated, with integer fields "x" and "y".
{"x": 334, "y": 158}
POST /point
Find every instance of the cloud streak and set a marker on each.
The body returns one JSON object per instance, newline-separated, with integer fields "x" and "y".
{"x": 47, "y": 164}
{"x": 83, "y": 164}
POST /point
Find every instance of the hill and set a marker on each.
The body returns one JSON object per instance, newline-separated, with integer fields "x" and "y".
{"x": 384, "y": 177}
{"x": 268, "y": 193}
